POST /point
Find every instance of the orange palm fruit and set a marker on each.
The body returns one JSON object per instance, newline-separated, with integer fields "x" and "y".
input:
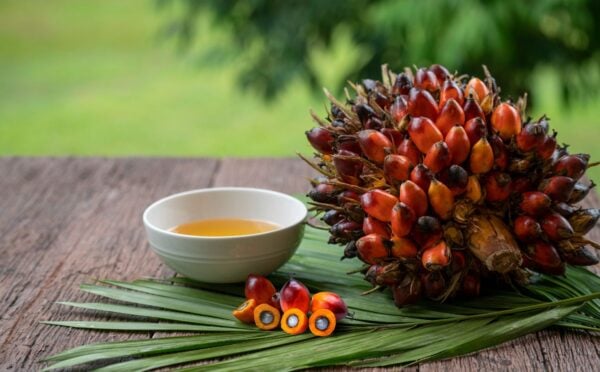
{"x": 421, "y": 175}
{"x": 372, "y": 248}
{"x": 397, "y": 168}
{"x": 374, "y": 226}
{"x": 374, "y": 144}
{"x": 506, "y": 121}
{"x": 436, "y": 257}
{"x": 424, "y": 133}
{"x": 294, "y": 294}
{"x": 322, "y": 322}
{"x": 475, "y": 129}
{"x": 245, "y": 312}
{"x": 438, "y": 157}
{"x": 403, "y": 219}
{"x": 482, "y": 157}
{"x": 479, "y": 89}
{"x": 497, "y": 186}
{"x": 451, "y": 90}
{"x": 422, "y": 103}
{"x": 408, "y": 148}
{"x": 403, "y": 248}
{"x": 441, "y": 199}
{"x": 413, "y": 196}
{"x": 294, "y": 321}
{"x": 330, "y": 301}
{"x": 425, "y": 79}
{"x": 458, "y": 144}
{"x": 379, "y": 204}
{"x": 472, "y": 109}
{"x": 451, "y": 114}
{"x": 266, "y": 317}
{"x": 474, "y": 192}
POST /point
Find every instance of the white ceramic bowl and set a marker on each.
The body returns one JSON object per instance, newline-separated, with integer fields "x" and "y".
{"x": 227, "y": 259}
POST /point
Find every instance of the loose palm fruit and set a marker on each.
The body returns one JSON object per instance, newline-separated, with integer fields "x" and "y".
{"x": 572, "y": 166}
{"x": 450, "y": 90}
{"x": 374, "y": 226}
{"x": 497, "y": 187}
{"x": 436, "y": 257}
{"x": 482, "y": 157}
{"x": 421, "y": 176}
{"x": 259, "y": 288}
{"x": 438, "y": 157}
{"x": 527, "y": 229}
{"x": 478, "y": 88}
{"x": 294, "y": 321}
{"x": 245, "y": 312}
{"x": 378, "y": 204}
{"x": 294, "y": 294}
{"x": 473, "y": 192}
{"x": 375, "y": 145}
{"x": 427, "y": 231}
{"x": 372, "y": 248}
{"x": 506, "y": 121}
{"x": 558, "y": 188}
{"x": 397, "y": 168}
{"x": 458, "y": 144}
{"x": 535, "y": 203}
{"x": 556, "y": 227}
{"x": 543, "y": 257}
{"x": 330, "y": 301}
{"x": 407, "y": 148}
{"x": 452, "y": 114}
{"x": 583, "y": 220}
{"x": 413, "y": 196}
{"x": 403, "y": 219}
{"x": 322, "y": 322}
{"x": 475, "y": 129}
{"x": 408, "y": 291}
{"x": 266, "y": 317}
{"x": 423, "y": 133}
{"x": 425, "y": 79}
{"x": 321, "y": 139}
{"x": 421, "y": 103}
{"x": 403, "y": 248}
{"x": 441, "y": 199}
{"x": 531, "y": 137}
{"x": 348, "y": 166}
{"x": 472, "y": 109}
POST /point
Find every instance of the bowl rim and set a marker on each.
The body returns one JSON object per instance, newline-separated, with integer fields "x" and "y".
{"x": 157, "y": 229}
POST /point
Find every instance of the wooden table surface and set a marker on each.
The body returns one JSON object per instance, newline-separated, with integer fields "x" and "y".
{"x": 64, "y": 221}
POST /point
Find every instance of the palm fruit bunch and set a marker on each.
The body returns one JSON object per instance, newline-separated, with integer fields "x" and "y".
{"x": 441, "y": 188}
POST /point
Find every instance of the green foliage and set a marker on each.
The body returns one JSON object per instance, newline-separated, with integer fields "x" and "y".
{"x": 512, "y": 37}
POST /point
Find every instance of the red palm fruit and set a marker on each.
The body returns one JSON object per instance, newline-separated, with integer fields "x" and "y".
{"x": 580, "y": 191}
{"x": 364, "y": 112}
{"x": 475, "y": 129}
{"x": 423, "y": 133}
{"x": 394, "y": 135}
{"x": 472, "y": 109}
{"x": 583, "y": 220}
{"x": 294, "y": 294}
{"x": 441, "y": 199}
{"x": 425, "y": 79}
{"x": 348, "y": 167}
{"x": 474, "y": 192}
{"x": 422, "y": 176}
{"x": 436, "y": 257}
{"x": 379, "y": 204}
{"x": 348, "y": 144}
{"x": 573, "y": 166}
{"x": 373, "y": 123}
{"x": 522, "y": 184}
{"x": 451, "y": 90}
{"x": 399, "y": 108}
{"x": 438, "y": 157}
{"x": 407, "y": 292}
{"x": 374, "y": 144}
{"x": 259, "y": 289}
{"x": 544, "y": 258}
{"x": 372, "y": 248}
{"x": 408, "y": 148}
{"x": 477, "y": 87}
{"x": 323, "y": 193}
{"x": 456, "y": 178}
{"x": 427, "y": 231}
{"x": 500, "y": 152}
{"x": 556, "y": 227}
{"x": 546, "y": 149}
{"x": 458, "y": 144}
{"x": 450, "y": 115}
{"x": 374, "y": 226}
{"x": 321, "y": 140}
{"x": 459, "y": 261}
{"x": 506, "y": 120}
{"x": 403, "y": 248}
{"x": 397, "y": 168}
{"x": 422, "y": 103}
{"x": 535, "y": 203}
{"x": 482, "y": 157}
{"x": 471, "y": 285}
{"x": 347, "y": 196}
{"x": 440, "y": 72}
{"x": 531, "y": 137}
{"x": 413, "y": 196}
{"x": 527, "y": 229}
{"x": 403, "y": 219}
{"x": 383, "y": 274}
{"x": 402, "y": 84}
{"x": 434, "y": 284}
{"x": 331, "y": 217}
{"x": 558, "y": 188}
{"x": 581, "y": 256}
{"x": 346, "y": 230}
{"x": 497, "y": 186}
{"x": 330, "y": 301}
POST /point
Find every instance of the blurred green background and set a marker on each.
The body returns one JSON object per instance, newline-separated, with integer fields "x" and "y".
{"x": 167, "y": 78}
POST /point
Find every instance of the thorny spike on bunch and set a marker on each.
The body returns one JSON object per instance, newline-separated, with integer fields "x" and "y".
{"x": 441, "y": 187}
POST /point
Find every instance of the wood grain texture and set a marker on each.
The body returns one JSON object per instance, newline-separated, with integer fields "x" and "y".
{"x": 65, "y": 221}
